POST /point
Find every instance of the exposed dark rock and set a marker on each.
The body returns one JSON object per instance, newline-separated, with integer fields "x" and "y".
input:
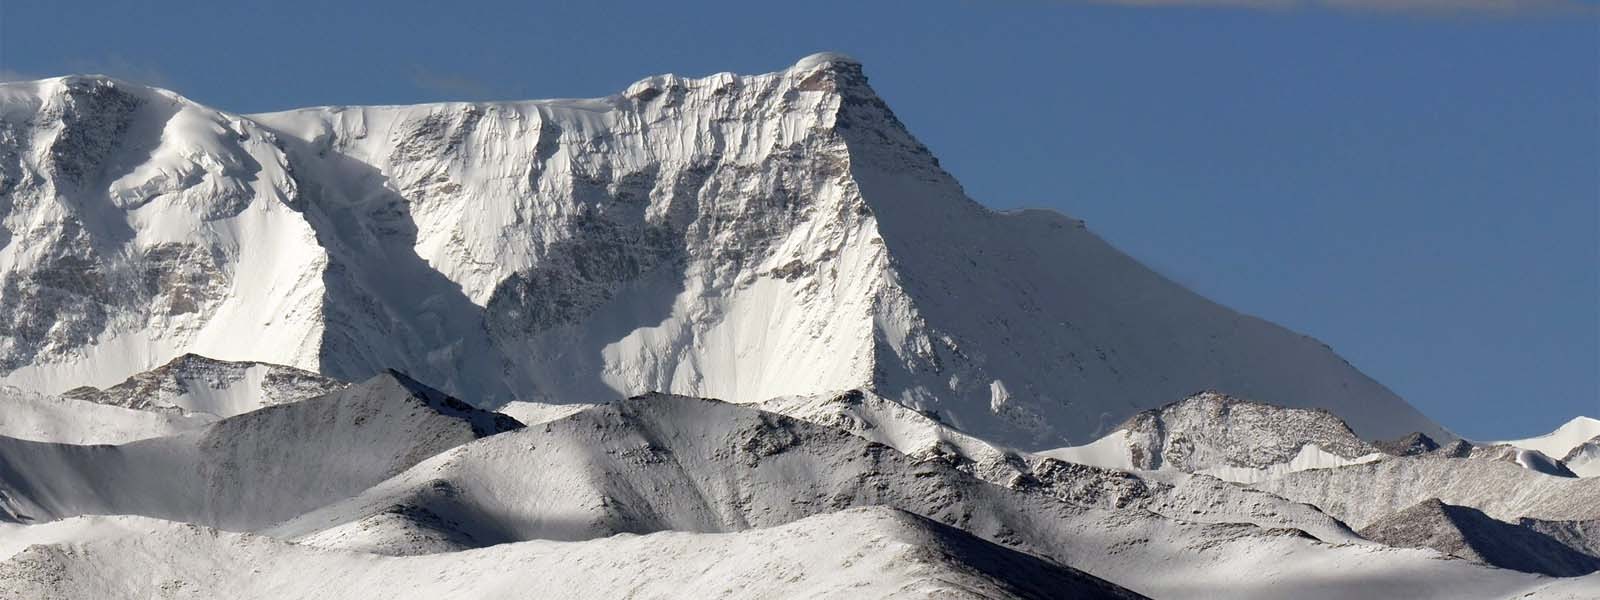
{"x": 1468, "y": 533}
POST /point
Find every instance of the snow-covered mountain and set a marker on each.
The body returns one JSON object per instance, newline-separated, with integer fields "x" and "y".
{"x": 738, "y": 237}
{"x": 1532, "y": 460}
{"x": 1565, "y": 440}
{"x": 249, "y": 470}
{"x": 1227, "y": 437}
{"x": 1569, "y": 451}
{"x": 41, "y": 418}
{"x": 698, "y": 478}
{"x": 1468, "y": 533}
{"x": 193, "y": 384}
{"x": 730, "y": 336}
{"x": 1361, "y": 494}
{"x": 670, "y": 463}
{"x": 1584, "y": 460}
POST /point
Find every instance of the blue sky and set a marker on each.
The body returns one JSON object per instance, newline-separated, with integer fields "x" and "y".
{"x": 1416, "y": 185}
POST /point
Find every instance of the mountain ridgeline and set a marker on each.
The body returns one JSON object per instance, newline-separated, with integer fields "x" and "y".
{"x": 736, "y": 237}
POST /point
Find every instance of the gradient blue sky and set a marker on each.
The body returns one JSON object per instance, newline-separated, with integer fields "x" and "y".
{"x": 1416, "y": 187}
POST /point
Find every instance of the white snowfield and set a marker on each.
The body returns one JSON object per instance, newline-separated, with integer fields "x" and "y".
{"x": 735, "y": 237}
{"x": 534, "y": 413}
{"x": 856, "y": 553}
{"x": 37, "y": 417}
{"x": 1309, "y": 457}
{"x": 1561, "y": 442}
{"x": 186, "y": 394}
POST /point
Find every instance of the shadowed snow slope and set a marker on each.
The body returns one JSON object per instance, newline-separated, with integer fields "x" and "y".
{"x": 1470, "y": 534}
{"x": 246, "y": 471}
{"x": 740, "y": 237}
{"x": 1532, "y": 460}
{"x": 1584, "y": 460}
{"x": 30, "y": 416}
{"x": 862, "y": 553}
{"x": 1361, "y": 494}
{"x": 533, "y": 413}
{"x": 1197, "y": 498}
{"x": 659, "y": 463}
{"x": 892, "y": 424}
{"x": 188, "y": 393}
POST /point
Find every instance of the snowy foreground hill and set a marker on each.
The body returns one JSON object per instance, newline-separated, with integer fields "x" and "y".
{"x": 471, "y": 350}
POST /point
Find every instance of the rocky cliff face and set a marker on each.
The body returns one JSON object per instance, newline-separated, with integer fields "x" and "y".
{"x": 139, "y": 226}
{"x": 1211, "y": 430}
{"x": 739, "y": 237}
{"x": 192, "y": 384}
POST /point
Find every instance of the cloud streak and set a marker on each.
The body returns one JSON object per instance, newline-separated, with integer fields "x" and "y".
{"x": 14, "y": 75}
{"x": 122, "y": 67}
{"x": 1434, "y": 7}
{"x": 451, "y": 86}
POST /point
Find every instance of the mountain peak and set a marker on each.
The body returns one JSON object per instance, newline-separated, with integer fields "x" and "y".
{"x": 195, "y": 384}
{"x": 712, "y": 237}
{"x": 830, "y": 59}
{"x": 1468, "y": 533}
{"x": 1563, "y": 440}
{"x": 1411, "y": 445}
{"x": 1211, "y": 429}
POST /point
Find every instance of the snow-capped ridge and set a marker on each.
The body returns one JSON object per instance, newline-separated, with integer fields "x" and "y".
{"x": 484, "y": 423}
{"x": 193, "y": 384}
{"x": 740, "y": 237}
{"x": 1363, "y": 493}
{"x": 780, "y": 235}
{"x": 52, "y": 87}
{"x": 824, "y": 58}
{"x": 1532, "y": 460}
{"x": 1468, "y": 533}
{"x": 1412, "y": 444}
{"x": 1562, "y": 440}
{"x": 663, "y": 462}
{"x": 1584, "y": 460}
{"x": 247, "y": 471}
{"x": 1228, "y": 437}
{"x": 36, "y": 417}
{"x": 1198, "y": 498}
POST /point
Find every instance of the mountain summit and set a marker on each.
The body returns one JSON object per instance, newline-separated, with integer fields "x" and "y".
{"x": 739, "y": 237}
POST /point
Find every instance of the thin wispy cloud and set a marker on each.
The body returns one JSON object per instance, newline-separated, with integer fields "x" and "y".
{"x": 121, "y": 67}
{"x": 1481, "y": 7}
{"x": 451, "y": 86}
{"x": 1436, "y": 7}
{"x": 15, "y": 75}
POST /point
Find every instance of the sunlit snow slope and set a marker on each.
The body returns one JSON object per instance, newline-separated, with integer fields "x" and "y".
{"x": 737, "y": 237}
